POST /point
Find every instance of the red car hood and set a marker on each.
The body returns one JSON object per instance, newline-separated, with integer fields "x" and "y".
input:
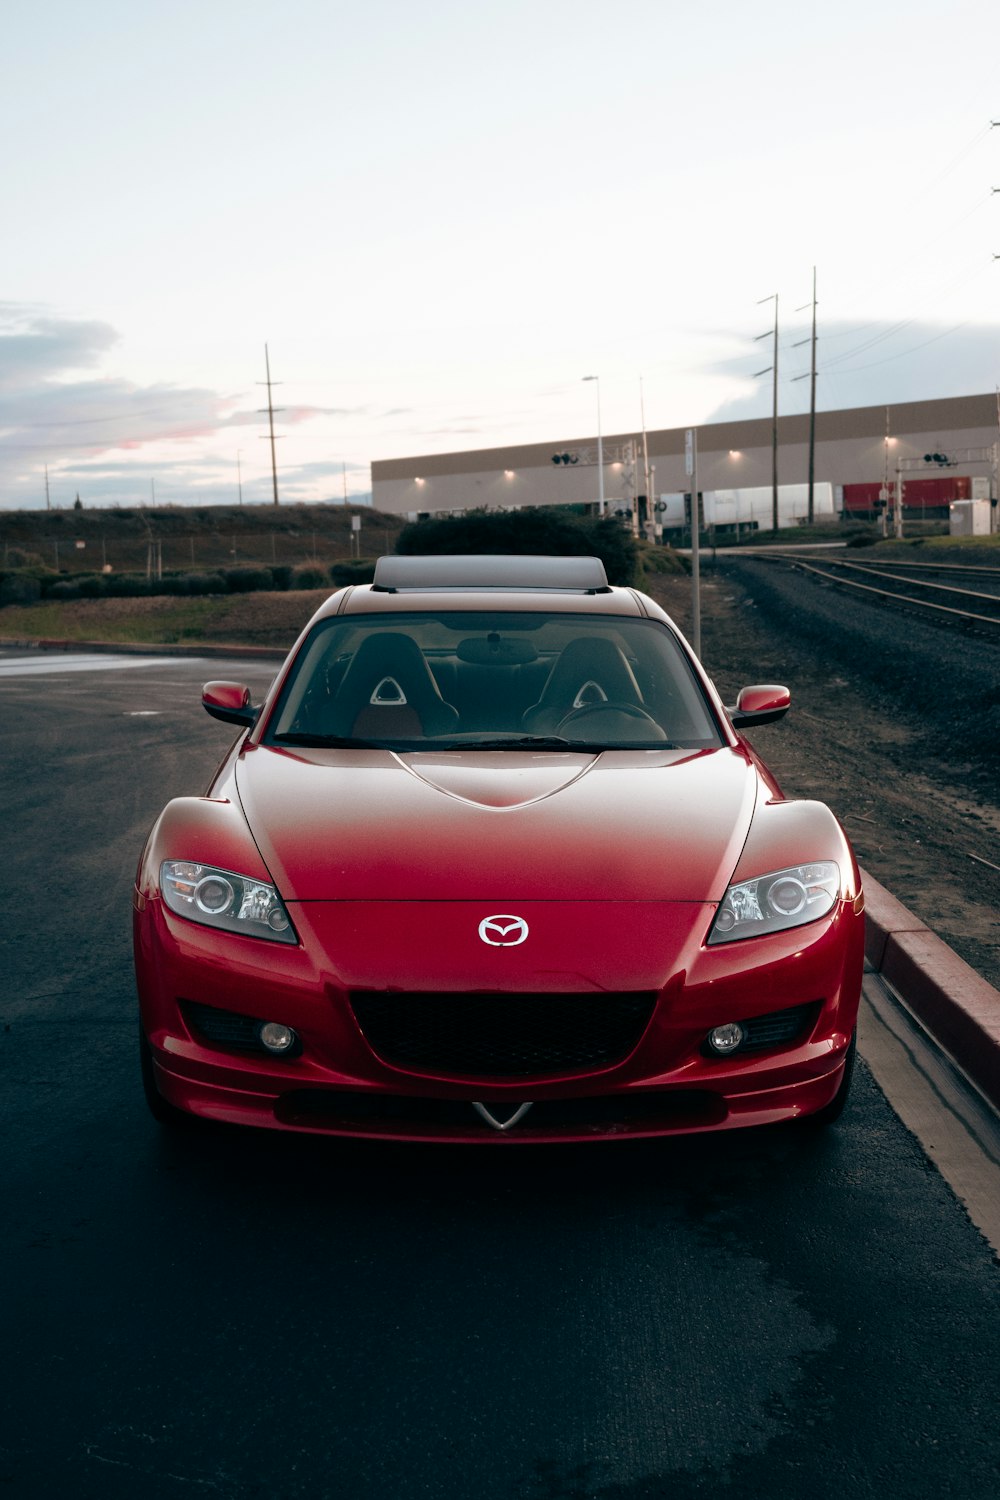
{"x": 340, "y": 825}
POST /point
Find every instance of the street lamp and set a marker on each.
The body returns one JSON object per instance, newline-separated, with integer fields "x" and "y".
{"x": 600, "y": 447}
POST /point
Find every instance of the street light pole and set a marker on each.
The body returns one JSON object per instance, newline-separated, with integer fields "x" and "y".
{"x": 812, "y": 410}
{"x": 600, "y": 448}
{"x": 773, "y": 368}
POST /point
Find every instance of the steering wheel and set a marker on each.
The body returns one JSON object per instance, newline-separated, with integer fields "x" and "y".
{"x": 593, "y": 711}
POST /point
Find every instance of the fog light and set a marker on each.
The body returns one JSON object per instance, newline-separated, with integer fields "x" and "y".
{"x": 726, "y": 1038}
{"x": 277, "y": 1038}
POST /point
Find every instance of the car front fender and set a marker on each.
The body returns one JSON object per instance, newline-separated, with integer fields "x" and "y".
{"x": 205, "y": 830}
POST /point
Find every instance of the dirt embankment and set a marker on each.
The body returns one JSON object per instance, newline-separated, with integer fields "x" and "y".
{"x": 890, "y": 725}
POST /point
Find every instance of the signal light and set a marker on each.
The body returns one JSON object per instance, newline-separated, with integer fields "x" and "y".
{"x": 565, "y": 458}
{"x": 936, "y": 458}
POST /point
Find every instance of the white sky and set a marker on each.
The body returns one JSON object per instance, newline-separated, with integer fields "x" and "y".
{"x": 440, "y": 216}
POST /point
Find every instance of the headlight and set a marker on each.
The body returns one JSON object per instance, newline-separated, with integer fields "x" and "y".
{"x": 221, "y": 899}
{"x": 786, "y": 898}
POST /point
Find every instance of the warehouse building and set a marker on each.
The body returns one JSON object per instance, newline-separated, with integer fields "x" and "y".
{"x": 941, "y": 451}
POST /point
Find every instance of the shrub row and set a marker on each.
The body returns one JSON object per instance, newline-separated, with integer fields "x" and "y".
{"x": 28, "y": 585}
{"x": 548, "y": 531}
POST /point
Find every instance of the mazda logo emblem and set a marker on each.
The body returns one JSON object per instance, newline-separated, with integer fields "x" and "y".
{"x": 503, "y": 931}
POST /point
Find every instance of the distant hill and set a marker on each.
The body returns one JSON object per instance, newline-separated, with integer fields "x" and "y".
{"x": 194, "y": 537}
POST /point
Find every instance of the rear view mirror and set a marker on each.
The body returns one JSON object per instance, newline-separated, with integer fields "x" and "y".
{"x": 230, "y": 702}
{"x": 761, "y": 704}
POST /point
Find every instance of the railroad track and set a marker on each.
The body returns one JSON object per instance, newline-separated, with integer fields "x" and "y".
{"x": 975, "y": 607}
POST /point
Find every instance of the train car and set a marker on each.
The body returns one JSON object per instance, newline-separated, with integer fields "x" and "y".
{"x": 749, "y": 508}
{"x": 927, "y": 498}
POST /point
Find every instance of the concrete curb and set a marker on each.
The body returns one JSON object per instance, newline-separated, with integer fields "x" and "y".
{"x": 959, "y": 1007}
{"x": 148, "y": 648}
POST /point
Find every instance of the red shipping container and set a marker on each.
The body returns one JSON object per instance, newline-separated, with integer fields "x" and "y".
{"x": 918, "y": 494}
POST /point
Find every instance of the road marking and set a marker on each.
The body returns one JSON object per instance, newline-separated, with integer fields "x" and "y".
{"x": 59, "y": 664}
{"x": 954, "y": 1123}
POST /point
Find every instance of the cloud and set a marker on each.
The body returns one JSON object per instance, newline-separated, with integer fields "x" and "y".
{"x": 873, "y": 364}
{"x": 35, "y": 348}
{"x": 52, "y": 413}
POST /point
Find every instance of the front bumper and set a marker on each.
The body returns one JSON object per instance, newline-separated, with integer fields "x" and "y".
{"x": 339, "y": 1085}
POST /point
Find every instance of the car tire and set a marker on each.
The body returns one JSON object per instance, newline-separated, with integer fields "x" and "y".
{"x": 163, "y": 1112}
{"x": 831, "y": 1113}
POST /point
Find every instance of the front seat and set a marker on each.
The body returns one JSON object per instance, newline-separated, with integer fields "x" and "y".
{"x": 589, "y": 670}
{"x": 389, "y": 692}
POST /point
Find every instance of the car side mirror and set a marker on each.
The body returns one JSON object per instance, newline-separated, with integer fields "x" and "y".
{"x": 230, "y": 702}
{"x": 761, "y": 704}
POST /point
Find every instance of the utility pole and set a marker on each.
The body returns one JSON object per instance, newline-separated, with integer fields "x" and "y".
{"x": 813, "y": 411}
{"x": 774, "y": 418}
{"x": 344, "y": 467}
{"x": 812, "y": 402}
{"x": 239, "y": 476}
{"x": 48, "y": 502}
{"x": 270, "y": 409}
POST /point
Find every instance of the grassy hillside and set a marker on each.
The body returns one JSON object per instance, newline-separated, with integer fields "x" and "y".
{"x": 241, "y": 619}
{"x": 195, "y": 538}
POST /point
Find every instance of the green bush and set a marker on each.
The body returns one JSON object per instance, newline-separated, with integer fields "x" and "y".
{"x": 63, "y": 588}
{"x": 20, "y": 588}
{"x": 17, "y": 557}
{"x": 546, "y": 532}
{"x": 205, "y": 583}
{"x": 128, "y": 586}
{"x": 655, "y": 560}
{"x": 355, "y": 570}
{"x": 93, "y": 586}
{"x": 248, "y": 580}
{"x": 282, "y": 575}
{"x": 310, "y": 578}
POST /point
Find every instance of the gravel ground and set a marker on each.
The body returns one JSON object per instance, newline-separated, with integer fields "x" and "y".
{"x": 895, "y": 724}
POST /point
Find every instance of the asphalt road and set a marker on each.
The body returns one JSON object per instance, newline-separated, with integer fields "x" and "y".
{"x": 240, "y": 1315}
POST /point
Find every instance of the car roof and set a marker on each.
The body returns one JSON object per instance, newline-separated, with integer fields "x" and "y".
{"x": 492, "y": 571}
{"x": 562, "y": 585}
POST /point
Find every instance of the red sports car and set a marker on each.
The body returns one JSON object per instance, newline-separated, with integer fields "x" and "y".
{"x": 492, "y": 862}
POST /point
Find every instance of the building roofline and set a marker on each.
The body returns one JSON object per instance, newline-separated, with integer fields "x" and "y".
{"x": 944, "y": 413}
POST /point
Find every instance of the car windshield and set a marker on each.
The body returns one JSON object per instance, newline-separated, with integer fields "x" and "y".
{"x": 458, "y": 680}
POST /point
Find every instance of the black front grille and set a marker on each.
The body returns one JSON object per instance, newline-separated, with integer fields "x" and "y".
{"x": 778, "y": 1027}
{"x": 502, "y": 1036}
{"x": 222, "y": 1028}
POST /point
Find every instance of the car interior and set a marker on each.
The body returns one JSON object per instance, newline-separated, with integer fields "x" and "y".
{"x": 392, "y": 686}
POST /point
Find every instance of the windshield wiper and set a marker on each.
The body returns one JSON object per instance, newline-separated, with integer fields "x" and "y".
{"x": 508, "y": 742}
{"x": 596, "y": 749}
{"x": 324, "y": 742}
